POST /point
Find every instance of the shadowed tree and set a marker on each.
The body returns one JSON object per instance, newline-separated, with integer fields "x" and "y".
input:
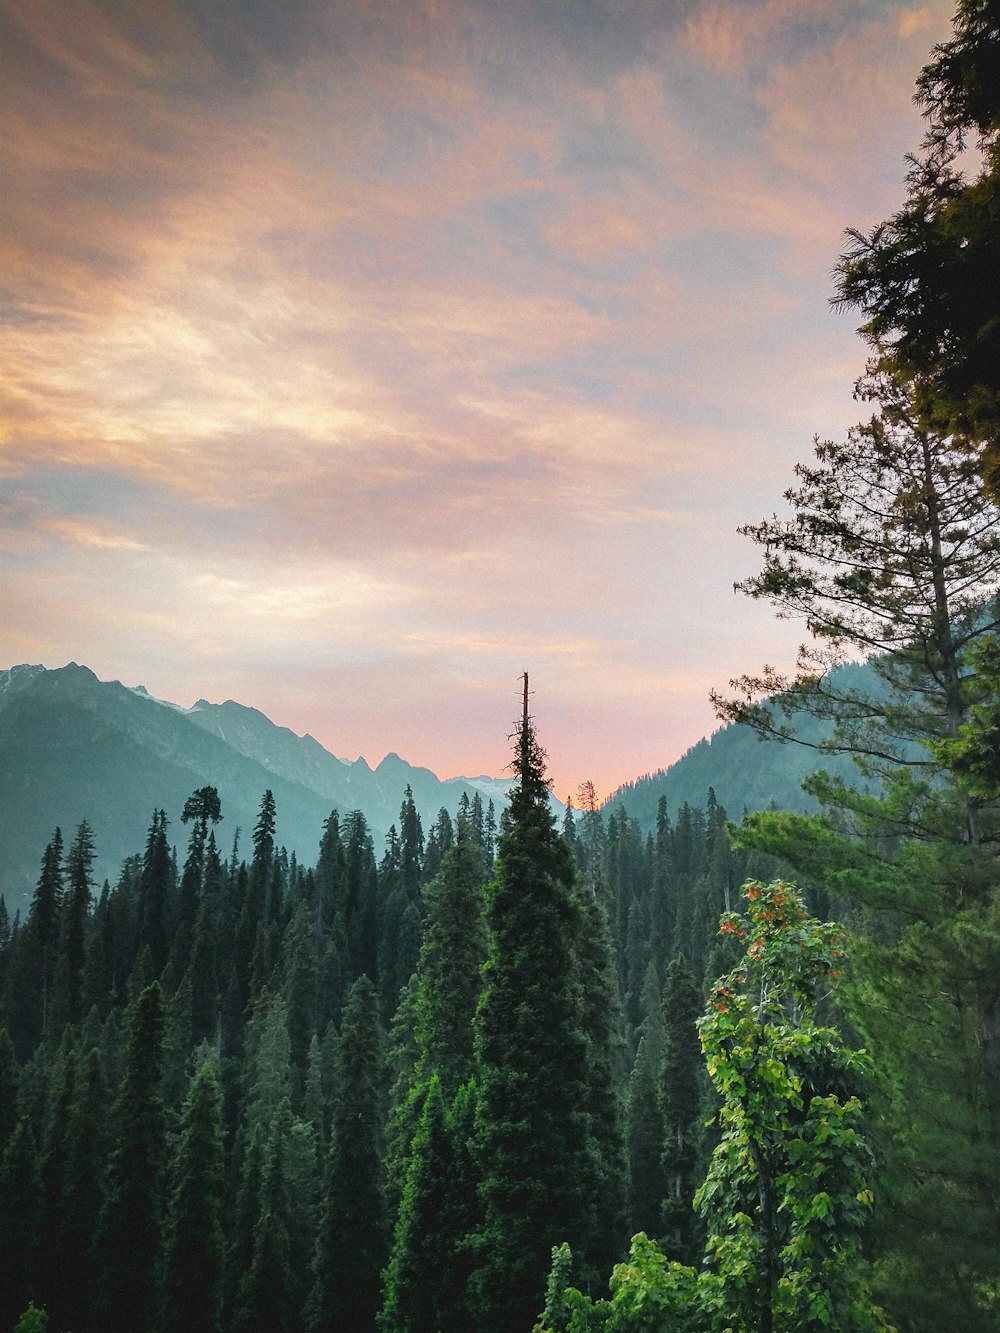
{"x": 127, "y": 1236}
{"x": 193, "y": 1242}
{"x": 352, "y": 1242}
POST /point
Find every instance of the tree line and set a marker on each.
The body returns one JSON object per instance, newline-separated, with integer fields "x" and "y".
{"x": 266, "y": 1074}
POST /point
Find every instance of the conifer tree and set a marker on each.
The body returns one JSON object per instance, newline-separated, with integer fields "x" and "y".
{"x": 894, "y": 549}
{"x": 33, "y": 956}
{"x": 155, "y": 885}
{"x": 75, "y": 914}
{"x": 644, "y": 1144}
{"x": 352, "y": 1241}
{"x": 8, "y": 1088}
{"x": 449, "y": 968}
{"x": 426, "y": 1281}
{"x": 20, "y": 1219}
{"x": 299, "y": 988}
{"x": 331, "y": 903}
{"x": 193, "y": 1243}
{"x": 441, "y": 837}
{"x": 203, "y": 967}
{"x": 200, "y": 808}
{"x": 265, "y": 1298}
{"x": 602, "y": 1023}
{"x": 61, "y": 1092}
{"x": 314, "y": 1098}
{"x": 240, "y": 1237}
{"x": 400, "y": 905}
{"x": 680, "y": 1106}
{"x": 414, "y": 1287}
{"x": 127, "y": 1237}
{"x": 82, "y": 1193}
{"x": 533, "y": 1132}
{"x": 5, "y": 943}
{"x": 360, "y": 899}
{"x": 927, "y": 279}
{"x": 434, "y": 1025}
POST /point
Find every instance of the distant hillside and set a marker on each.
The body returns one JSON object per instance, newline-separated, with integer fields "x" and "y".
{"x": 73, "y": 747}
{"x": 745, "y": 771}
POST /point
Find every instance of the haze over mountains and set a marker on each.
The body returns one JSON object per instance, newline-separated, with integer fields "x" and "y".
{"x": 73, "y": 747}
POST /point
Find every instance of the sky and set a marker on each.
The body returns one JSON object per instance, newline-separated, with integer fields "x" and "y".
{"x": 361, "y": 355}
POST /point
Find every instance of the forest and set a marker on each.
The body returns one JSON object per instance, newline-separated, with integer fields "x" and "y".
{"x": 510, "y": 1073}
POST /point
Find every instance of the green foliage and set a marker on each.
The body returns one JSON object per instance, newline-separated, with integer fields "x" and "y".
{"x": 926, "y": 279}
{"x": 532, "y": 1138}
{"x": 918, "y": 866}
{"x": 680, "y": 1104}
{"x": 20, "y": 1214}
{"x": 127, "y": 1236}
{"x": 786, "y": 1194}
{"x": 32, "y": 1321}
{"x": 193, "y": 1242}
{"x": 644, "y": 1142}
{"x": 352, "y": 1241}
{"x": 424, "y": 1290}
{"x": 893, "y": 550}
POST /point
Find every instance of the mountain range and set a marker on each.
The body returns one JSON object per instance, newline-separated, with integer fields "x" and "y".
{"x": 73, "y": 747}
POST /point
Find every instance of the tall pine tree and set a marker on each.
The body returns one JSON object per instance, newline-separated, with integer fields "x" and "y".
{"x": 533, "y": 1125}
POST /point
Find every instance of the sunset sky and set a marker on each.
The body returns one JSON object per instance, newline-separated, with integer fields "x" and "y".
{"x": 360, "y": 356}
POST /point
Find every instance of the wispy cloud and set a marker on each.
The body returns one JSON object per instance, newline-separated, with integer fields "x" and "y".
{"x": 373, "y": 352}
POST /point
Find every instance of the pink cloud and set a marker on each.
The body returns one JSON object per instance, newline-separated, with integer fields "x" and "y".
{"x": 317, "y": 354}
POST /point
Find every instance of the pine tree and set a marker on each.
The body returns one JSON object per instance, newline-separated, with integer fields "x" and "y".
{"x": 433, "y": 1027}
{"x": 426, "y": 1282}
{"x": 298, "y": 968}
{"x": 6, "y": 935}
{"x": 644, "y": 1143}
{"x": 400, "y": 905}
{"x": 155, "y": 887}
{"x": 663, "y": 907}
{"x": 193, "y": 1242}
{"x": 8, "y": 1088}
{"x": 449, "y": 968}
{"x": 331, "y": 903}
{"x": 61, "y": 1094}
{"x": 533, "y": 1124}
{"x": 680, "y": 1106}
{"x": 265, "y": 1298}
{"x": 127, "y": 1237}
{"x": 33, "y": 956}
{"x": 414, "y": 1277}
{"x": 441, "y": 837}
{"x": 360, "y": 899}
{"x": 352, "y": 1242}
{"x": 267, "y": 1063}
{"x": 75, "y": 915}
{"x": 893, "y": 548}
{"x": 20, "y": 1218}
{"x": 605, "y": 1167}
{"x": 82, "y": 1193}
{"x": 926, "y": 279}
{"x": 245, "y": 1214}
{"x": 203, "y": 967}
{"x": 200, "y": 808}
